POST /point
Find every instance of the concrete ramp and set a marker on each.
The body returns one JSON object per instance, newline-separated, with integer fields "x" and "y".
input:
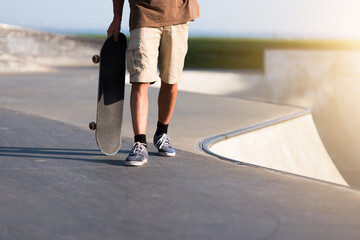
{"x": 292, "y": 146}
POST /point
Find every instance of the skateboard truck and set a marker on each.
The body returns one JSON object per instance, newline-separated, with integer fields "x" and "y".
{"x": 92, "y": 126}
{"x": 96, "y": 59}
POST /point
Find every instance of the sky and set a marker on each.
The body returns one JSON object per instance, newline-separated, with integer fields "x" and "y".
{"x": 246, "y": 18}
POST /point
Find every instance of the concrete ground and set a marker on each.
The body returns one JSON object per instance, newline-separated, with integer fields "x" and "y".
{"x": 56, "y": 184}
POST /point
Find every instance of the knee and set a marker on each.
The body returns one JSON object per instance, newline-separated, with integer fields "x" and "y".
{"x": 140, "y": 87}
{"x": 172, "y": 88}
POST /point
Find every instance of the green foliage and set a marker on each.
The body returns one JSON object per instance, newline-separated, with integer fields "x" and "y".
{"x": 237, "y": 53}
{"x": 224, "y": 53}
{"x": 92, "y": 36}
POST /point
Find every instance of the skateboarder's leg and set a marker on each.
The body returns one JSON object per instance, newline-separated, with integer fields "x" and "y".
{"x": 172, "y": 53}
{"x": 166, "y": 102}
{"x": 139, "y": 105}
{"x": 142, "y": 66}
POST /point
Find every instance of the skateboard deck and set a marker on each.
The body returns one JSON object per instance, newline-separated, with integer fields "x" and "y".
{"x": 110, "y": 100}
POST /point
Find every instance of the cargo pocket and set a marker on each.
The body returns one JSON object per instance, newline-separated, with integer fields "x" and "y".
{"x": 134, "y": 58}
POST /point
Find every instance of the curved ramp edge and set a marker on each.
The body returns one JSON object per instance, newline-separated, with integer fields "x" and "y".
{"x": 290, "y": 144}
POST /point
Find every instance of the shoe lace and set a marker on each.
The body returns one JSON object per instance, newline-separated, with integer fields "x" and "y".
{"x": 138, "y": 148}
{"x": 164, "y": 140}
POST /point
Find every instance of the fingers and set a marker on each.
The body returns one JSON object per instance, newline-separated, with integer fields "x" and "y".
{"x": 116, "y": 36}
{"x": 115, "y": 33}
{"x": 114, "y": 29}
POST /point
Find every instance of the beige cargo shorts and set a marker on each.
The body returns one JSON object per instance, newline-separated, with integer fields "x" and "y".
{"x": 157, "y": 48}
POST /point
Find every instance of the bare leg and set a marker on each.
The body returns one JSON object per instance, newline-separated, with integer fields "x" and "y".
{"x": 139, "y": 105}
{"x": 166, "y": 102}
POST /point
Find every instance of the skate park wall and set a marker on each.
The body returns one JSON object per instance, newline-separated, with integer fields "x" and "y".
{"x": 24, "y": 50}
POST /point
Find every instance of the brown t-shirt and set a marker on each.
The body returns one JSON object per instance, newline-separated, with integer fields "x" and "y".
{"x": 158, "y": 13}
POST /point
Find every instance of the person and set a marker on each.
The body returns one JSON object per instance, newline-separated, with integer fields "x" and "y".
{"x": 158, "y": 41}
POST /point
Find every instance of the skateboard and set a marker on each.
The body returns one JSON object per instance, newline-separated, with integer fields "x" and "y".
{"x": 110, "y": 99}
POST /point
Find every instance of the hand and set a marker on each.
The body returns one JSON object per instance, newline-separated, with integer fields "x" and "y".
{"x": 114, "y": 28}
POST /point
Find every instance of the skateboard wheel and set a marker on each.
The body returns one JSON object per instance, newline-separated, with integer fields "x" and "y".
{"x": 96, "y": 59}
{"x": 92, "y": 126}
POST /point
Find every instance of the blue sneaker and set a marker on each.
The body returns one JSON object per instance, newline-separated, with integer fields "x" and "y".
{"x": 163, "y": 144}
{"x": 138, "y": 155}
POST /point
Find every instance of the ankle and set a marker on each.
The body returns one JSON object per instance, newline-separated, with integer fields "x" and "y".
{"x": 161, "y": 128}
{"x": 140, "y": 138}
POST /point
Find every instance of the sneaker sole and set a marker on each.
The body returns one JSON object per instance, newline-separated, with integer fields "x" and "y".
{"x": 135, "y": 163}
{"x": 165, "y": 154}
